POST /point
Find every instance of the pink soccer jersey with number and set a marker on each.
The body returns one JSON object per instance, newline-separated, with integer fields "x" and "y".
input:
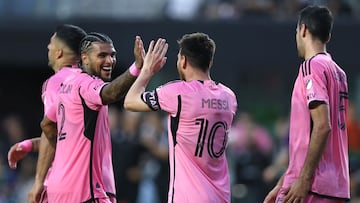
{"x": 52, "y": 85}
{"x": 82, "y": 168}
{"x": 200, "y": 116}
{"x": 320, "y": 79}
{"x": 51, "y": 88}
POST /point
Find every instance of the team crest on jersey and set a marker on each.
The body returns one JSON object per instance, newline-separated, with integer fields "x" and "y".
{"x": 309, "y": 84}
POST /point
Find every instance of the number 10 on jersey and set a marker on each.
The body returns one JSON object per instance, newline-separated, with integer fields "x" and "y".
{"x": 216, "y": 138}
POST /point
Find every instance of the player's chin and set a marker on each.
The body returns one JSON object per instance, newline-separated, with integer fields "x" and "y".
{"x": 106, "y": 76}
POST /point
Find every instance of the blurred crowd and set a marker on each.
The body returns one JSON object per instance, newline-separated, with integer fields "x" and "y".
{"x": 257, "y": 156}
{"x": 183, "y": 10}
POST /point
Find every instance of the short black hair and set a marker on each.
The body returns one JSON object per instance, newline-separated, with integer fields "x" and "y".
{"x": 71, "y": 35}
{"x": 86, "y": 42}
{"x": 198, "y": 48}
{"x": 318, "y": 20}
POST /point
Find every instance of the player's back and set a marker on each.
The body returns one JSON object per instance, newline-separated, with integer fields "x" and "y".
{"x": 205, "y": 112}
{"x": 83, "y": 142}
{"x": 52, "y": 85}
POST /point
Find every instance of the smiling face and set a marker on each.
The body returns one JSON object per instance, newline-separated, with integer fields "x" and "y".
{"x": 100, "y": 60}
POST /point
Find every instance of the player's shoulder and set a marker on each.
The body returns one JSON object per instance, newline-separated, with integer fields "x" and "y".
{"x": 54, "y": 80}
{"x": 316, "y": 64}
{"x": 226, "y": 88}
{"x": 86, "y": 78}
{"x": 174, "y": 84}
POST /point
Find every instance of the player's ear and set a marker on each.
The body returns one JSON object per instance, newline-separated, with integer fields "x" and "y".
{"x": 303, "y": 30}
{"x": 84, "y": 59}
{"x": 59, "y": 53}
{"x": 183, "y": 61}
{"x": 328, "y": 40}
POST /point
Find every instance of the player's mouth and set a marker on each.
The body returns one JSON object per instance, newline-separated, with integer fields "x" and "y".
{"x": 107, "y": 69}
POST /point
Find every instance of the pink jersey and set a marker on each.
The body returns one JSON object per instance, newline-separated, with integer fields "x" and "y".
{"x": 320, "y": 79}
{"x": 52, "y": 85}
{"x": 82, "y": 168}
{"x": 50, "y": 91}
{"x": 200, "y": 116}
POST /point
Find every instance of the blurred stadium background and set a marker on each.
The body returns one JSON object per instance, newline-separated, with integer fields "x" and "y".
{"x": 256, "y": 56}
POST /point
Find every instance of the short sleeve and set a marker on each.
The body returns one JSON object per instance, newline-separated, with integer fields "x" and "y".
{"x": 90, "y": 91}
{"x": 163, "y": 97}
{"x": 315, "y": 82}
{"x": 168, "y": 97}
{"x": 51, "y": 112}
{"x": 50, "y": 91}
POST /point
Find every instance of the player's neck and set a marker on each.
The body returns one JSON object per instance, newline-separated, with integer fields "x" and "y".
{"x": 64, "y": 63}
{"x": 315, "y": 49}
{"x": 197, "y": 75}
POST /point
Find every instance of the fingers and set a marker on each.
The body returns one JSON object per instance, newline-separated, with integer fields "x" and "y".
{"x": 151, "y": 46}
{"x": 163, "y": 61}
{"x": 140, "y": 44}
{"x": 164, "y": 50}
{"x": 270, "y": 198}
{"x": 12, "y": 164}
{"x": 159, "y": 44}
{"x": 11, "y": 156}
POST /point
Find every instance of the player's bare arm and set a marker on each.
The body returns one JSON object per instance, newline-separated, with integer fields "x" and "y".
{"x": 118, "y": 88}
{"x": 46, "y": 156}
{"x": 154, "y": 61}
{"x": 321, "y": 130}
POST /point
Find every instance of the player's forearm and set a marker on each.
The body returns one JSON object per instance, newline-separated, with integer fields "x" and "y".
{"x": 118, "y": 88}
{"x": 35, "y": 144}
{"x": 46, "y": 156}
{"x": 317, "y": 145}
{"x": 133, "y": 101}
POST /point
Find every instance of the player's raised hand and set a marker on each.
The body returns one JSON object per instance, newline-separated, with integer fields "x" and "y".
{"x": 155, "y": 57}
{"x": 139, "y": 52}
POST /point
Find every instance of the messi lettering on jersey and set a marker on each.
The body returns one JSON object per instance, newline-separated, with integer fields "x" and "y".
{"x": 215, "y": 104}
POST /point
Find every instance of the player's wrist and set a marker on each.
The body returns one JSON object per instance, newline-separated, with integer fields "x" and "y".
{"x": 134, "y": 71}
{"x": 26, "y": 145}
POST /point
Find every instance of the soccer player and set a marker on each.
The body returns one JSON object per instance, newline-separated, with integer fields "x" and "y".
{"x": 77, "y": 124}
{"x": 200, "y": 113}
{"x": 318, "y": 168}
{"x": 63, "y": 56}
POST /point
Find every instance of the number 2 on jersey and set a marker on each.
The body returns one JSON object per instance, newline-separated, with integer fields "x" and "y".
{"x": 61, "y": 112}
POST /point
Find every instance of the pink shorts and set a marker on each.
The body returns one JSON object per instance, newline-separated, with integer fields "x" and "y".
{"x": 310, "y": 198}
